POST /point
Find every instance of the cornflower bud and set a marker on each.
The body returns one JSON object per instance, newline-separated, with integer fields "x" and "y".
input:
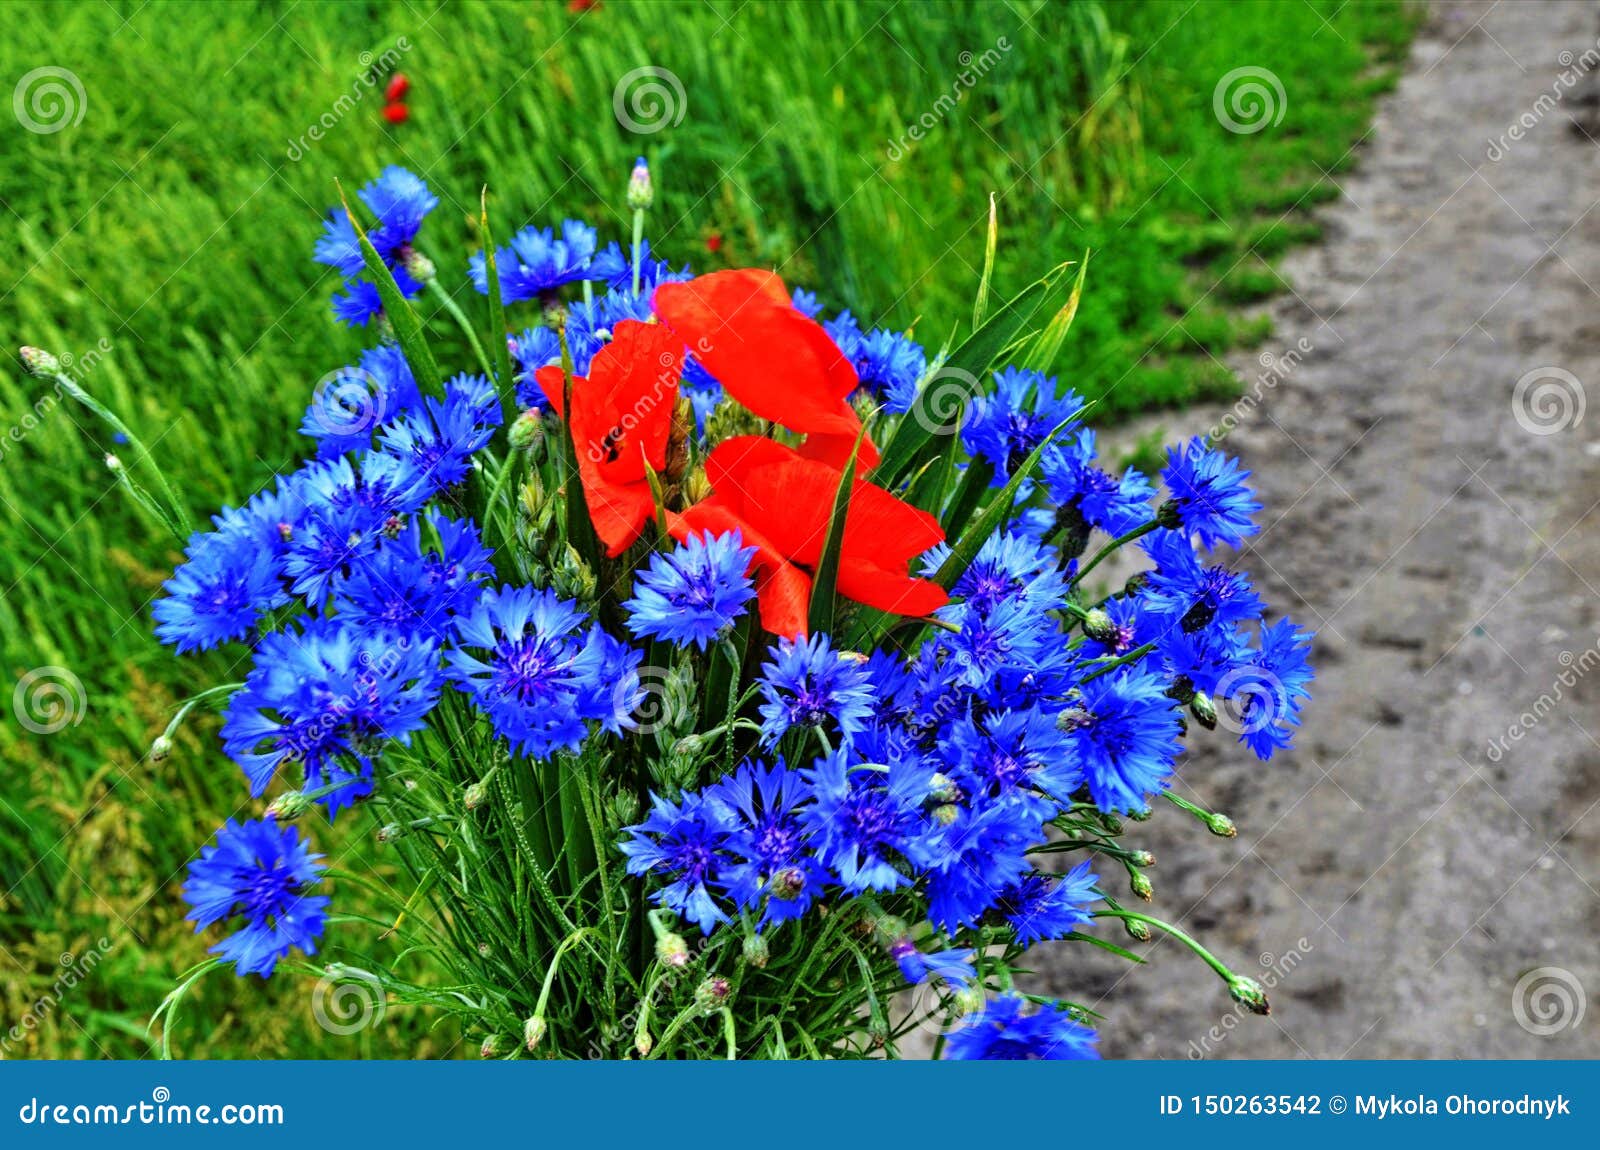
{"x": 946, "y": 814}
{"x": 1136, "y": 929}
{"x": 756, "y": 952}
{"x": 787, "y": 883}
{"x": 160, "y": 749}
{"x": 113, "y": 464}
{"x": 641, "y": 190}
{"x": 527, "y": 432}
{"x": 1170, "y": 516}
{"x": 476, "y": 795}
{"x": 418, "y": 266}
{"x": 1141, "y": 885}
{"x": 39, "y": 362}
{"x": 1247, "y": 992}
{"x": 672, "y": 951}
{"x": 389, "y": 832}
{"x": 713, "y": 994}
{"x": 1097, "y": 624}
{"x": 289, "y": 806}
{"x": 1204, "y": 710}
{"x": 491, "y": 1047}
{"x": 533, "y": 1032}
{"x": 1221, "y": 826}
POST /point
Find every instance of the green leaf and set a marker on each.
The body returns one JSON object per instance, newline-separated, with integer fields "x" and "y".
{"x": 1120, "y": 952}
{"x": 826, "y": 576}
{"x": 966, "y": 549}
{"x": 981, "y": 304}
{"x": 963, "y": 370}
{"x": 505, "y": 383}
{"x": 407, "y": 327}
{"x": 973, "y": 485}
{"x": 1048, "y": 344}
{"x": 580, "y": 531}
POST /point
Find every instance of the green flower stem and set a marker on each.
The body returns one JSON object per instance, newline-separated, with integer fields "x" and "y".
{"x": 1205, "y": 956}
{"x": 178, "y": 514}
{"x": 1110, "y": 548}
{"x": 638, "y": 242}
{"x": 447, "y": 301}
{"x": 1110, "y": 665}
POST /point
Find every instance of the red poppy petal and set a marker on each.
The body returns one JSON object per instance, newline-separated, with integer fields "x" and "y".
{"x": 784, "y": 590}
{"x": 399, "y": 85}
{"x": 396, "y": 113}
{"x": 892, "y": 591}
{"x": 834, "y": 450}
{"x": 552, "y": 381}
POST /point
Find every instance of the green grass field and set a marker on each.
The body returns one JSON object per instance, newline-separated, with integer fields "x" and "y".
{"x": 164, "y": 241}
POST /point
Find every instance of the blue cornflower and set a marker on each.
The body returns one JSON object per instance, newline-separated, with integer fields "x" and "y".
{"x": 260, "y": 871}
{"x": 399, "y": 200}
{"x": 952, "y": 967}
{"x": 535, "y": 348}
{"x": 533, "y": 665}
{"x": 344, "y": 515}
{"x": 1114, "y": 505}
{"x": 409, "y": 589}
{"x": 805, "y": 302}
{"x": 1131, "y": 626}
{"x": 889, "y": 365}
{"x": 1010, "y": 1028}
{"x": 226, "y": 583}
{"x": 614, "y": 265}
{"x": 1005, "y": 425}
{"x": 351, "y": 403}
{"x": 762, "y": 806}
{"x": 1011, "y": 632}
{"x": 1194, "y": 596}
{"x": 807, "y": 683}
{"x": 1200, "y": 660}
{"x": 1264, "y": 697}
{"x": 438, "y": 442}
{"x": 867, "y": 819}
{"x": 1011, "y": 568}
{"x": 683, "y": 842}
{"x": 1124, "y": 735}
{"x": 536, "y": 262}
{"x": 1208, "y": 494}
{"x": 1042, "y": 906}
{"x": 326, "y": 697}
{"x": 979, "y": 849}
{"x": 694, "y": 594}
{"x": 1019, "y": 755}
{"x": 703, "y": 391}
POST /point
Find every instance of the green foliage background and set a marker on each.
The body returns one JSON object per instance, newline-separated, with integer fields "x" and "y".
{"x": 174, "y": 222}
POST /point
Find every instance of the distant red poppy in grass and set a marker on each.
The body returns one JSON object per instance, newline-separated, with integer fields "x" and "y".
{"x": 779, "y": 501}
{"x": 582, "y": 5}
{"x": 713, "y": 243}
{"x": 399, "y": 85}
{"x": 768, "y": 355}
{"x": 621, "y": 416}
{"x": 396, "y": 113}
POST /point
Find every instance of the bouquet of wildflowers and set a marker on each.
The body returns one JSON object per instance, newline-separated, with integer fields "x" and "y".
{"x": 716, "y": 673}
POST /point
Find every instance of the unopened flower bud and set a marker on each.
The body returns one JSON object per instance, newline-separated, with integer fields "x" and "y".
{"x": 160, "y": 749}
{"x": 969, "y": 999}
{"x": 492, "y": 1046}
{"x": 946, "y": 814}
{"x": 527, "y": 431}
{"x": 1073, "y": 719}
{"x": 672, "y": 951}
{"x": 756, "y": 952}
{"x": 713, "y": 994}
{"x": 1141, "y": 885}
{"x": 476, "y": 795}
{"x": 944, "y": 788}
{"x": 289, "y": 806}
{"x": 689, "y": 746}
{"x": 1203, "y": 710}
{"x": 1247, "y": 992}
{"x": 37, "y": 361}
{"x": 533, "y": 1032}
{"x": 1170, "y": 515}
{"x": 788, "y": 882}
{"x": 1111, "y": 822}
{"x": 1136, "y": 929}
{"x": 643, "y": 1043}
{"x": 484, "y": 950}
{"x": 418, "y": 266}
{"x": 891, "y": 929}
{"x": 641, "y": 190}
{"x": 113, "y": 464}
{"x": 1097, "y": 624}
{"x": 389, "y": 832}
{"x": 1135, "y": 584}
{"x": 1221, "y": 826}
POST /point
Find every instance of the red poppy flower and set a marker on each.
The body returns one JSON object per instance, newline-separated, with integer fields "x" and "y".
{"x": 621, "y": 416}
{"x": 771, "y": 357}
{"x": 713, "y": 243}
{"x": 780, "y": 501}
{"x": 396, "y": 113}
{"x": 398, "y": 86}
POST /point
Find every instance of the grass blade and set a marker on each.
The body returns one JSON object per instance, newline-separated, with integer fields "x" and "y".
{"x": 402, "y": 317}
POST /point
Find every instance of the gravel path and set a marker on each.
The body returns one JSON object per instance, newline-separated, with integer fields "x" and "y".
{"x": 1410, "y": 861}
